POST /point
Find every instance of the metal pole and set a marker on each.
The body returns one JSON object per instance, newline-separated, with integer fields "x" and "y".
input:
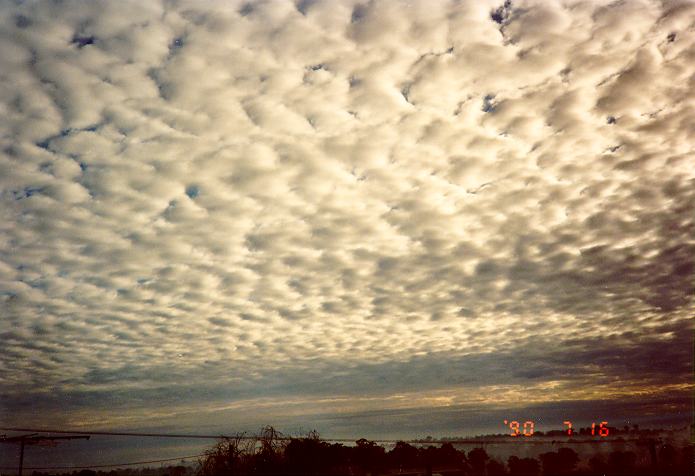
{"x": 21, "y": 457}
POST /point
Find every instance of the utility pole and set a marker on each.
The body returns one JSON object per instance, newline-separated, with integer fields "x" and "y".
{"x": 33, "y": 439}
{"x": 21, "y": 457}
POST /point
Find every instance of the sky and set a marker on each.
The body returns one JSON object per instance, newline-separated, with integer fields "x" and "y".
{"x": 374, "y": 218}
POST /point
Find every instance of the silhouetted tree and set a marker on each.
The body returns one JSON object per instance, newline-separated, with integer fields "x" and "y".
{"x": 685, "y": 464}
{"x": 369, "y": 456}
{"x": 177, "y": 470}
{"x": 621, "y": 462}
{"x": 272, "y": 454}
{"x": 228, "y": 457}
{"x": 668, "y": 459}
{"x": 307, "y": 455}
{"x": 403, "y": 456}
{"x": 523, "y": 466}
{"x": 564, "y": 461}
{"x": 651, "y": 444}
{"x": 495, "y": 468}
{"x": 598, "y": 465}
{"x": 449, "y": 456}
{"x": 429, "y": 456}
{"x": 268, "y": 459}
{"x": 340, "y": 457}
{"x": 477, "y": 457}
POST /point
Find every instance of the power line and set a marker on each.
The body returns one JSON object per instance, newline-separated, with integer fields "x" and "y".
{"x": 240, "y": 436}
{"x": 34, "y": 439}
{"x": 120, "y": 433}
{"x": 111, "y": 465}
{"x": 170, "y": 435}
{"x": 336, "y": 440}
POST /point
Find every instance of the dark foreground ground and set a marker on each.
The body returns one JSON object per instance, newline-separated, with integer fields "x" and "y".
{"x": 271, "y": 454}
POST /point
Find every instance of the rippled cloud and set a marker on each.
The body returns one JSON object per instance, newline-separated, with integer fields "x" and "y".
{"x": 209, "y": 204}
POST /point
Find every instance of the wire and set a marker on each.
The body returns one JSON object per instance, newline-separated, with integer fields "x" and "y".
{"x": 286, "y": 438}
{"x": 108, "y": 465}
{"x": 172, "y": 435}
{"x": 182, "y": 458}
{"x": 117, "y": 433}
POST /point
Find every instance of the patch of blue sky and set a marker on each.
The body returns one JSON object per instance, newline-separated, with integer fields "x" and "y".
{"x": 192, "y": 191}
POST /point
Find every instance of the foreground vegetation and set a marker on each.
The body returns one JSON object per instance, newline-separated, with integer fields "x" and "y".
{"x": 270, "y": 454}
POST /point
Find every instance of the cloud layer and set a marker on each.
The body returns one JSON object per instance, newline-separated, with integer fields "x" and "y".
{"x": 358, "y": 202}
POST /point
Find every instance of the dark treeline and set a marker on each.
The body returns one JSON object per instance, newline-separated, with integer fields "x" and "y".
{"x": 272, "y": 454}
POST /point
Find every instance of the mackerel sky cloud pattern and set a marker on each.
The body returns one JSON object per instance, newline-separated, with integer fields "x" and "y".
{"x": 321, "y": 208}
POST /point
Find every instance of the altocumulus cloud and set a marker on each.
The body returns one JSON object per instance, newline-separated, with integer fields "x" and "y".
{"x": 323, "y": 207}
